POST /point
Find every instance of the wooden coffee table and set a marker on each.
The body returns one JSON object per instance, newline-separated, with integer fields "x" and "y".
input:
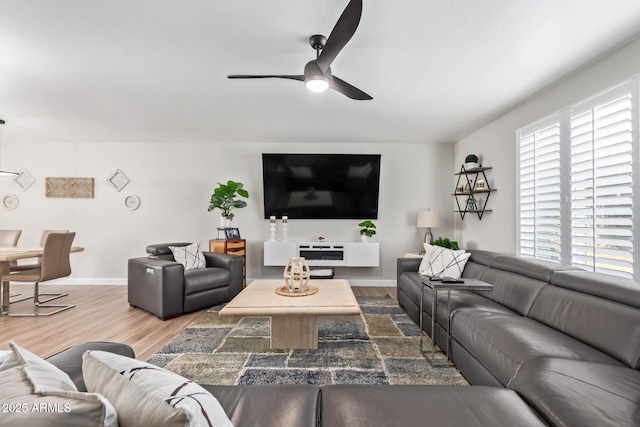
{"x": 294, "y": 320}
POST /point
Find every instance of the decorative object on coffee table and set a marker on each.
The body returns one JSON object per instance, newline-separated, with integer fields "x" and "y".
{"x": 428, "y": 219}
{"x": 296, "y": 275}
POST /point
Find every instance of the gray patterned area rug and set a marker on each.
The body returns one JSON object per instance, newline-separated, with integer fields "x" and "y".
{"x": 381, "y": 346}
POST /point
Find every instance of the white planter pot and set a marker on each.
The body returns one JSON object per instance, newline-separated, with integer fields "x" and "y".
{"x": 468, "y": 166}
{"x": 224, "y": 222}
{"x": 365, "y": 238}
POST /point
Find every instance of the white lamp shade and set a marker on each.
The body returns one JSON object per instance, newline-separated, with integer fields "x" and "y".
{"x": 428, "y": 219}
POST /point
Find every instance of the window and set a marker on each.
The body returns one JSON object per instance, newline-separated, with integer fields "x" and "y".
{"x": 577, "y": 172}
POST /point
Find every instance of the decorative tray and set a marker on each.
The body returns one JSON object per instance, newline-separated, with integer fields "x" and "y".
{"x": 282, "y": 290}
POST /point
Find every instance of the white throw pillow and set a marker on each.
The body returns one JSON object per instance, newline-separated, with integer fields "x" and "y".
{"x": 189, "y": 256}
{"x": 424, "y": 264}
{"x": 445, "y": 262}
{"x": 35, "y": 393}
{"x": 146, "y": 395}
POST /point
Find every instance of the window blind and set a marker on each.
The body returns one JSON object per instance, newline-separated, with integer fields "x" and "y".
{"x": 540, "y": 231}
{"x": 601, "y": 184}
{"x": 578, "y": 170}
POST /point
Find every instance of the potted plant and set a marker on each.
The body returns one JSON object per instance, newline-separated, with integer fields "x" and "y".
{"x": 446, "y": 243}
{"x": 471, "y": 161}
{"x": 367, "y": 231}
{"x": 224, "y": 198}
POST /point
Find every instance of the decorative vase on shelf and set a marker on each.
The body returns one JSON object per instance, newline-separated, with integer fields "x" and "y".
{"x": 296, "y": 275}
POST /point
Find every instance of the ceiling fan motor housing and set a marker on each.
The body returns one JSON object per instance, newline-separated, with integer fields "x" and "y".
{"x": 315, "y": 79}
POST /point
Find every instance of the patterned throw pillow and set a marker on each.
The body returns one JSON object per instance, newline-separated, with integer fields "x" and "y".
{"x": 424, "y": 264}
{"x": 189, "y": 256}
{"x": 146, "y": 395}
{"x": 445, "y": 262}
{"x": 36, "y": 393}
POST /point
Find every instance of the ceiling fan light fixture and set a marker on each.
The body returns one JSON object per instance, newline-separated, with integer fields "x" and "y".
{"x": 317, "y": 83}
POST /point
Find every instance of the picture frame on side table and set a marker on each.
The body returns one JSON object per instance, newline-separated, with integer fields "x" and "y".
{"x": 232, "y": 233}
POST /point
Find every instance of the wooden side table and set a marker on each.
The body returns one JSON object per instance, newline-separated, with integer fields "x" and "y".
{"x": 232, "y": 247}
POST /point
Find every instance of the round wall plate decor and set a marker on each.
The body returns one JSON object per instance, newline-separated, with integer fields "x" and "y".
{"x": 132, "y": 202}
{"x": 10, "y": 201}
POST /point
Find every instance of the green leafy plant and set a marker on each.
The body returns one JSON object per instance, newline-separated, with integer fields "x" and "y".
{"x": 446, "y": 243}
{"x": 368, "y": 228}
{"x": 224, "y": 198}
{"x": 471, "y": 158}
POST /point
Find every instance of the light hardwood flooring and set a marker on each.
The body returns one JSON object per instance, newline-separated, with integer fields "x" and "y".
{"x": 102, "y": 313}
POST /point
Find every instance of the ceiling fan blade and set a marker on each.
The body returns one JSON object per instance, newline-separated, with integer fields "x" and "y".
{"x": 276, "y": 76}
{"x": 341, "y": 34}
{"x": 348, "y": 90}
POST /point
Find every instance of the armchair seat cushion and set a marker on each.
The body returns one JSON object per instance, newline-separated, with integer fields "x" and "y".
{"x": 204, "y": 279}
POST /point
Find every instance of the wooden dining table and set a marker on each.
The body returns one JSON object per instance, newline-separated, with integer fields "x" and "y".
{"x": 12, "y": 253}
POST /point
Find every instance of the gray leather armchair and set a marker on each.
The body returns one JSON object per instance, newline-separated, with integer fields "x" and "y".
{"x": 161, "y": 286}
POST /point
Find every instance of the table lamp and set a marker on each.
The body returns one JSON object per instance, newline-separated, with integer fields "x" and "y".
{"x": 428, "y": 219}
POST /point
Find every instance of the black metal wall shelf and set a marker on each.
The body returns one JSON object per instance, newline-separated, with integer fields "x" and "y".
{"x": 469, "y": 179}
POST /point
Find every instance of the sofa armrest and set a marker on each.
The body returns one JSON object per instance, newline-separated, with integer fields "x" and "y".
{"x": 233, "y": 263}
{"x": 157, "y": 286}
{"x": 70, "y": 360}
{"x": 407, "y": 264}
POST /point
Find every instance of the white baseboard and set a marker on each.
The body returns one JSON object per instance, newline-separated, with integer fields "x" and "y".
{"x": 92, "y": 281}
{"x": 123, "y": 281}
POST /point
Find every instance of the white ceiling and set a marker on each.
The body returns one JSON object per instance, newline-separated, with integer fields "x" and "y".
{"x": 155, "y": 70}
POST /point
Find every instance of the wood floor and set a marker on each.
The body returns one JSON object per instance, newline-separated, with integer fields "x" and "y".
{"x": 101, "y": 314}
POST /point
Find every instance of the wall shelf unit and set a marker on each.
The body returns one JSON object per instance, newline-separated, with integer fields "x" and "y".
{"x": 471, "y": 183}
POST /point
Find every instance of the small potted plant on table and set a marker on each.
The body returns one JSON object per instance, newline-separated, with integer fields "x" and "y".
{"x": 471, "y": 162}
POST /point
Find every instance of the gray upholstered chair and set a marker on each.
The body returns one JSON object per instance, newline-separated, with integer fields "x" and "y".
{"x": 55, "y": 264}
{"x": 160, "y": 285}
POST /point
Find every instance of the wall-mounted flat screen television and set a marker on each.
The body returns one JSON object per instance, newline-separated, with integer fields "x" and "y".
{"x": 321, "y": 186}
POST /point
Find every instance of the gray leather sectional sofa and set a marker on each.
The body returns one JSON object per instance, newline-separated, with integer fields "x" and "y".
{"x": 566, "y": 340}
{"x": 303, "y": 405}
{"x": 550, "y": 345}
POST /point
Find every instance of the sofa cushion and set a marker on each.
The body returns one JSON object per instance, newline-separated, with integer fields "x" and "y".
{"x": 576, "y": 393}
{"x": 204, "y": 279}
{"x": 617, "y": 289}
{"x": 504, "y": 342}
{"x": 512, "y": 290}
{"x": 606, "y": 325}
{"x": 269, "y": 405}
{"x": 433, "y": 406}
{"x": 189, "y": 256}
{"x": 144, "y": 394}
{"x": 35, "y": 393}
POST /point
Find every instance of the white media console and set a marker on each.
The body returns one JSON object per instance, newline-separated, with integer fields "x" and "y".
{"x": 329, "y": 254}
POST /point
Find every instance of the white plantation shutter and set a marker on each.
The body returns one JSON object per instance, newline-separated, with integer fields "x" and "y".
{"x": 578, "y": 180}
{"x": 601, "y": 183}
{"x": 540, "y": 227}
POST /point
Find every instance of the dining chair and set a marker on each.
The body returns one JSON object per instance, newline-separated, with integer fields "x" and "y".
{"x": 55, "y": 264}
{"x": 22, "y": 267}
{"x": 10, "y": 238}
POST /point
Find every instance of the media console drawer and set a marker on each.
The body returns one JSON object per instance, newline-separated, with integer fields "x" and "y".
{"x": 330, "y": 254}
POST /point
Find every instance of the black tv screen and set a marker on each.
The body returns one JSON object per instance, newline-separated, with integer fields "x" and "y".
{"x": 321, "y": 186}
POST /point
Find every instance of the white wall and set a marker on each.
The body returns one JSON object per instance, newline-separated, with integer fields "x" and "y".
{"x": 495, "y": 144}
{"x": 174, "y": 183}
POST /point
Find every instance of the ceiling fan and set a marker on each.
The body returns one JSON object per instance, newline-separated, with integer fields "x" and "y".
{"x": 317, "y": 73}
